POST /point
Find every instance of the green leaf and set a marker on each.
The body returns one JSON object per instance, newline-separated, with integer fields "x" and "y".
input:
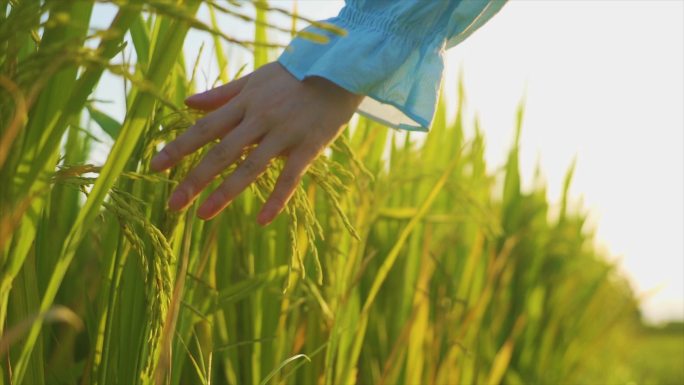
{"x": 282, "y": 365}
{"x": 141, "y": 40}
{"x": 110, "y": 125}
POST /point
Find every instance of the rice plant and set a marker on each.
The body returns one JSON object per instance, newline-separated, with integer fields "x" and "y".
{"x": 415, "y": 267}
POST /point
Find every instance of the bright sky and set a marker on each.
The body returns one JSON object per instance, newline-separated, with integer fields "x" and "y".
{"x": 604, "y": 81}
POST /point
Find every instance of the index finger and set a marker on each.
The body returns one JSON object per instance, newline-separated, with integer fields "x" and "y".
{"x": 216, "y": 97}
{"x": 213, "y": 126}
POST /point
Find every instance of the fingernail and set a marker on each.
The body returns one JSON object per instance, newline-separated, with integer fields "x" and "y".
{"x": 177, "y": 200}
{"x": 262, "y": 218}
{"x": 195, "y": 98}
{"x": 265, "y": 216}
{"x": 160, "y": 161}
{"x": 206, "y": 210}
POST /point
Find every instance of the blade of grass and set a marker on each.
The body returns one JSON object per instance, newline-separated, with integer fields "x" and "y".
{"x": 161, "y": 64}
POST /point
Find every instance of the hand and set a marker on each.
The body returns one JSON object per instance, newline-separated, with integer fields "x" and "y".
{"x": 270, "y": 108}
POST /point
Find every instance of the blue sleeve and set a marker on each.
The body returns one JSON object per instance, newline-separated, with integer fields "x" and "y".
{"x": 392, "y": 52}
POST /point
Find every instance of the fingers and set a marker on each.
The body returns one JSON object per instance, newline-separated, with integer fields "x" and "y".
{"x": 216, "y": 97}
{"x": 213, "y": 126}
{"x": 286, "y": 185}
{"x": 217, "y": 159}
{"x": 253, "y": 166}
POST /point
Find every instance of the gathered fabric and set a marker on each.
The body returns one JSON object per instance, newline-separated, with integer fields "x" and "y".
{"x": 392, "y": 52}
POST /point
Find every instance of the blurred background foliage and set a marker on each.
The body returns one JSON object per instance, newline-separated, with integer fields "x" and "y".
{"x": 398, "y": 261}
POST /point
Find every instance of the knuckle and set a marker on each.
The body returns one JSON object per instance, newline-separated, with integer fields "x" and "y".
{"x": 222, "y": 193}
{"x": 220, "y": 153}
{"x": 256, "y": 123}
{"x": 193, "y": 182}
{"x": 202, "y": 128}
{"x": 269, "y": 117}
{"x": 172, "y": 150}
{"x": 249, "y": 167}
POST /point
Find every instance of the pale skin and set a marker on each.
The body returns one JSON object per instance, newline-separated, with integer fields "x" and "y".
{"x": 270, "y": 108}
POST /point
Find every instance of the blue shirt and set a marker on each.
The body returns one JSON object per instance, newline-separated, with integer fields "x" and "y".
{"x": 392, "y": 52}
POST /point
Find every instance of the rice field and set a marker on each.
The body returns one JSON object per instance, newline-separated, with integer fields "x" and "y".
{"x": 397, "y": 261}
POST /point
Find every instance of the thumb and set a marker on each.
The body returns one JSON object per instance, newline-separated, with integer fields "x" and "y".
{"x": 216, "y": 97}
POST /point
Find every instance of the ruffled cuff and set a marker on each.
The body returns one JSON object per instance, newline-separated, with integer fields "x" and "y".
{"x": 397, "y": 66}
